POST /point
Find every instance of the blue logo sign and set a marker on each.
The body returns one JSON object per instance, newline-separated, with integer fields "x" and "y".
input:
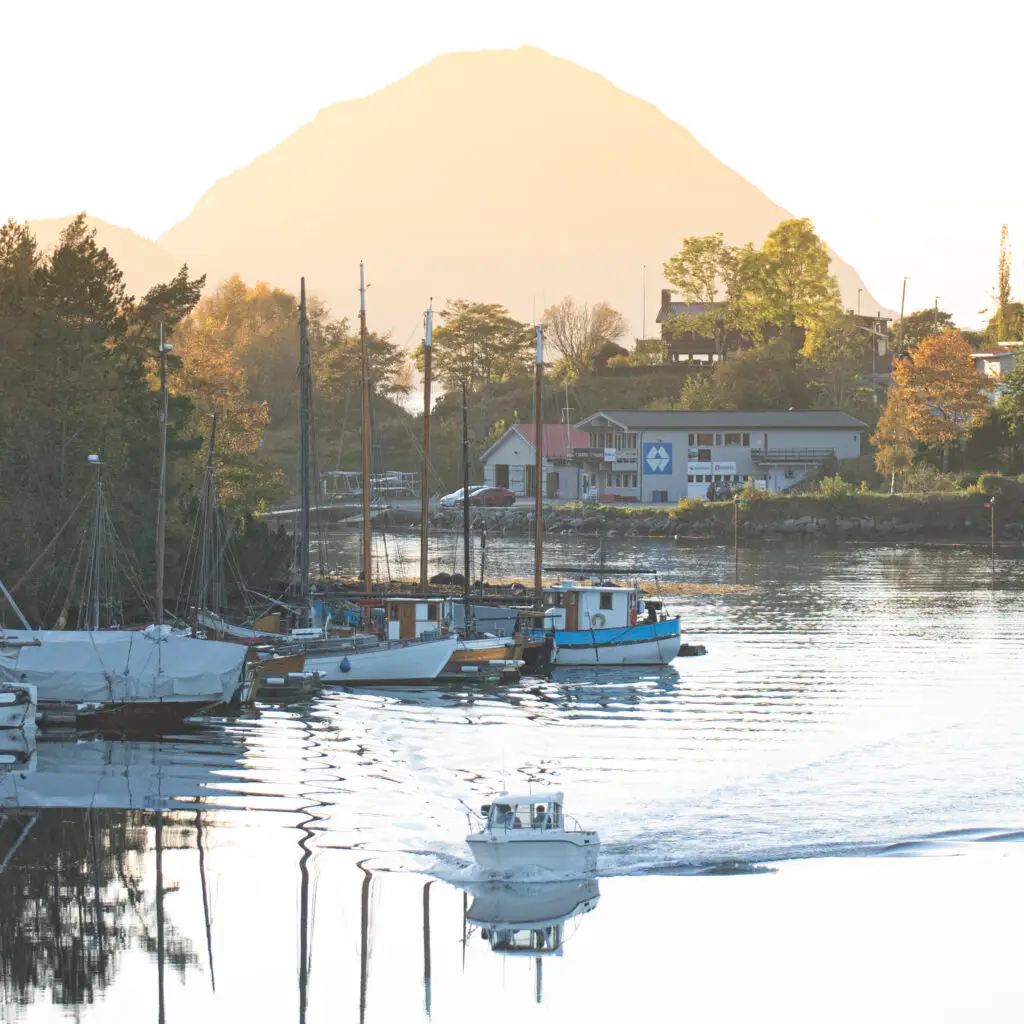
{"x": 657, "y": 458}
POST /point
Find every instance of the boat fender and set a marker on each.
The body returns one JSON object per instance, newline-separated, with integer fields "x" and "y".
{"x": 632, "y": 617}
{"x": 597, "y": 620}
{"x": 346, "y": 665}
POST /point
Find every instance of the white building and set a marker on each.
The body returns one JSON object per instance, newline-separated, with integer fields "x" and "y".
{"x": 660, "y": 457}
{"x": 511, "y": 461}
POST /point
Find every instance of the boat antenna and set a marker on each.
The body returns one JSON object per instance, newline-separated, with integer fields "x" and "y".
{"x": 305, "y": 402}
{"x": 538, "y": 482}
{"x": 428, "y": 349}
{"x": 365, "y": 360}
{"x": 161, "y": 507}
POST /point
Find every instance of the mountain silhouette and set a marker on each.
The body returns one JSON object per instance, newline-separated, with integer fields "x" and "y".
{"x": 505, "y": 176}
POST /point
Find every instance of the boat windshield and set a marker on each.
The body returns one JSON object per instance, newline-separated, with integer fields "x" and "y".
{"x": 526, "y": 940}
{"x": 539, "y": 815}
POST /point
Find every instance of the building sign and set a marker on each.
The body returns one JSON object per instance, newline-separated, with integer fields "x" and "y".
{"x": 610, "y": 453}
{"x": 657, "y": 458}
{"x": 698, "y": 467}
{"x": 723, "y": 467}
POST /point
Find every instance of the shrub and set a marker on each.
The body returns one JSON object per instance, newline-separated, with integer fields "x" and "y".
{"x": 688, "y": 507}
{"x": 923, "y": 478}
{"x": 836, "y": 487}
{"x": 1001, "y": 486}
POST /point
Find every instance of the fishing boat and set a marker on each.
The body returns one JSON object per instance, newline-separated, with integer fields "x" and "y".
{"x": 605, "y": 624}
{"x": 532, "y": 832}
{"x": 529, "y": 919}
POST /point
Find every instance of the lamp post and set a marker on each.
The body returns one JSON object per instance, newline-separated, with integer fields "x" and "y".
{"x": 991, "y": 506}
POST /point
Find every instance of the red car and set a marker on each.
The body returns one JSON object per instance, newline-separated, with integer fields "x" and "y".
{"x": 492, "y": 496}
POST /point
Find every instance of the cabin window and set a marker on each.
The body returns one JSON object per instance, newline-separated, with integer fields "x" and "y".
{"x": 606, "y": 601}
{"x": 732, "y": 439}
{"x": 432, "y": 613}
{"x": 706, "y": 439}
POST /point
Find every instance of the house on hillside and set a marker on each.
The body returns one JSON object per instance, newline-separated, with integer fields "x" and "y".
{"x": 997, "y": 362}
{"x": 683, "y": 346}
{"x": 660, "y": 457}
{"x": 511, "y": 461}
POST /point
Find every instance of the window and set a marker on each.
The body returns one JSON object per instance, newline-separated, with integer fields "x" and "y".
{"x": 432, "y": 612}
{"x": 703, "y": 454}
{"x": 718, "y": 478}
{"x": 732, "y": 439}
{"x": 746, "y": 440}
{"x": 606, "y": 602}
{"x": 689, "y": 479}
{"x": 705, "y": 439}
{"x": 394, "y": 613}
{"x": 718, "y": 440}
{"x": 692, "y": 440}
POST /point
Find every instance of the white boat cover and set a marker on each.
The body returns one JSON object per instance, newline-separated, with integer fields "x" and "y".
{"x": 153, "y": 664}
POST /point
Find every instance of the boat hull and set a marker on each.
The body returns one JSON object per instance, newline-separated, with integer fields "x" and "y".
{"x": 648, "y": 644}
{"x": 570, "y": 854}
{"x": 410, "y": 663}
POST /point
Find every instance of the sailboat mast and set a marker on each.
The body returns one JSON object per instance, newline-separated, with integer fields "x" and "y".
{"x": 206, "y": 598}
{"x": 465, "y": 508}
{"x": 161, "y": 506}
{"x": 305, "y": 402}
{"x": 538, "y": 421}
{"x": 428, "y": 350}
{"x": 367, "y": 550}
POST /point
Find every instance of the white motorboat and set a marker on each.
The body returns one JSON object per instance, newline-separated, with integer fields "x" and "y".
{"x": 17, "y": 705}
{"x": 532, "y": 832}
{"x": 518, "y": 919}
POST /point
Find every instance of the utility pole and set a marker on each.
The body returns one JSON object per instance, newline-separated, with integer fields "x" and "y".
{"x": 903, "y": 299}
{"x": 643, "y": 312}
{"x": 935, "y": 321}
{"x": 161, "y": 508}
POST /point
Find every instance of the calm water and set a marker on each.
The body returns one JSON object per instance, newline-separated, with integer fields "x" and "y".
{"x": 820, "y": 819}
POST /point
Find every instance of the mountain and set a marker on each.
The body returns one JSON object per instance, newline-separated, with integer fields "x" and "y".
{"x": 500, "y": 176}
{"x": 143, "y": 262}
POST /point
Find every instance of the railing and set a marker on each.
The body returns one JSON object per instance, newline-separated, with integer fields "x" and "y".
{"x": 780, "y": 456}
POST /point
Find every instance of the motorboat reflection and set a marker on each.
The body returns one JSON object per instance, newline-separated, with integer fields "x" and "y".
{"x": 530, "y": 832}
{"x": 530, "y": 919}
{"x": 17, "y": 706}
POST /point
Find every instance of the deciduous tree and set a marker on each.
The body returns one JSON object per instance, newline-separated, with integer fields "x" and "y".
{"x": 945, "y": 394}
{"x": 577, "y": 331}
{"x": 893, "y": 437}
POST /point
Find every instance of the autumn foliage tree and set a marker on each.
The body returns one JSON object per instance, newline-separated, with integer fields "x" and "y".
{"x": 894, "y": 437}
{"x": 942, "y": 390}
{"x": 577, "y": 332}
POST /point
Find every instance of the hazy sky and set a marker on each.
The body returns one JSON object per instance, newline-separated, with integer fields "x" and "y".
{"x": 892, "y": 124}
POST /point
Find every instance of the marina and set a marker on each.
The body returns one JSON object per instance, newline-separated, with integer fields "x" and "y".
{"x": 726, "y": 791}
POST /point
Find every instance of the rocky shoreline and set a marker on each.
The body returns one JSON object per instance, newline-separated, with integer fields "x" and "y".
{"x": 949, "y": 518}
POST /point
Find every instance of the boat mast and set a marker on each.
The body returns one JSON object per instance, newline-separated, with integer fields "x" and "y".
{"x": 161, "y": 509}
{"x": 428, "y": 349}
{"x": 205, "y": 598}
{"x": 538, "y": 515}
{"x": 367, "y": 551}
{"x": 305, "y": 402}
{"x": 465, "y": 511}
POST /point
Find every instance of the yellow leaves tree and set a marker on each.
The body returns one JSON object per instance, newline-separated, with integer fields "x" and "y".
{"x": 893, "y": 437}
{"x": 944, "y": 394}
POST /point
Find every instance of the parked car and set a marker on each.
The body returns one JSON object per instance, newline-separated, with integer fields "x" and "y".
{"x": 492, "y": 496}
{"x": 455, "y": 498}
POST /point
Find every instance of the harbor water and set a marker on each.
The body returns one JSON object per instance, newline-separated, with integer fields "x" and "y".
{"x": 819, "y": 819}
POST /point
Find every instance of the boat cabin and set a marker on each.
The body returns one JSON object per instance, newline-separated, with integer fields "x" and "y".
{"x": 411, "y": 617}
{"x": 536, "y": 811}
{"x": 523, "y": 941}
{"x": 576, "y": 606}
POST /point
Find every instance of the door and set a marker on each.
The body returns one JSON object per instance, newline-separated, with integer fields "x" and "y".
{"x": 529, "y": 480}
{"x": 407, "y": 620}
{"x": 501, "y": 475}
{"x": 572, "y": 611}
{"x": 552, "y": 487}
